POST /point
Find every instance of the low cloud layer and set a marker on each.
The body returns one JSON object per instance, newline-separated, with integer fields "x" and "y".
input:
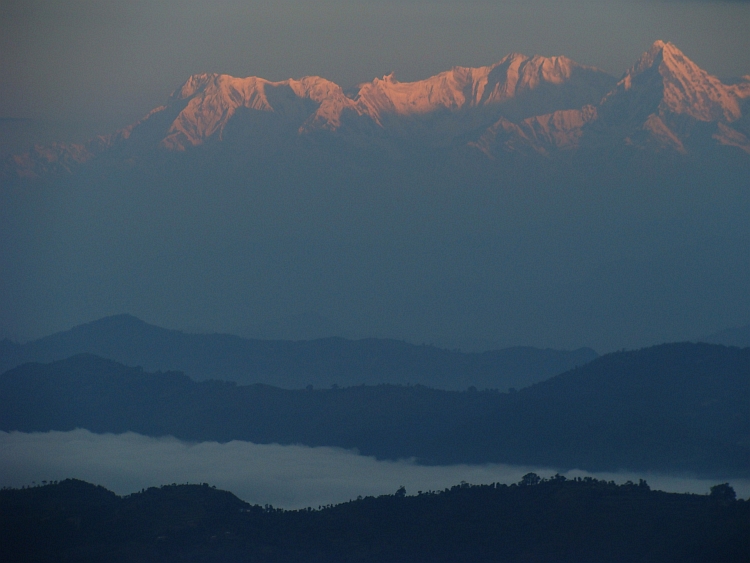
{"x": 284, "y": 476}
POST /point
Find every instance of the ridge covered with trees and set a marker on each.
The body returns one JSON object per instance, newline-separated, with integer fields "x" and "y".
{"x": 535, "y": 520}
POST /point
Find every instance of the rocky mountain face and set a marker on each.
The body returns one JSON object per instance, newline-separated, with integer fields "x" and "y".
{"x": 534, "y": 105}
{"x": 663, "y": 102}
{"x": 449, "y": 105}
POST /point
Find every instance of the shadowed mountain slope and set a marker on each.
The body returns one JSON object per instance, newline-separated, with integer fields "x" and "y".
{"x": 671, "y": 408}
{"x": 295, "y": 364}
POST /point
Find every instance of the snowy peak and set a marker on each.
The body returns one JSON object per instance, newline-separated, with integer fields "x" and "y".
{"x": 464, "y": 87}
{"x": 210, "y": 101}
{"x": 543, "y": 105}
{"x": 449, "y": 90}
{"x": 665, "y": 76}
{"x": 251, "y": 91}
{"x": 523, "y": 73}
{"x": 651, "y": 58}
{"x": 663, "y": 102}
{"x": 213, "y": 99}
{"x": 193, "y": 85}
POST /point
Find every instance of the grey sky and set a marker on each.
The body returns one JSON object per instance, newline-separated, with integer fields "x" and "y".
{"x": 103, "y": 64}
{"x": 285, "y": 476}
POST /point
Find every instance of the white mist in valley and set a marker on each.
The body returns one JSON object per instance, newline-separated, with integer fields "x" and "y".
{"x": 284, "y": 476}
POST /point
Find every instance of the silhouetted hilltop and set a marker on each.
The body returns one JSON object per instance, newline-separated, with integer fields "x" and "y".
{"x": 534, "y": 520}
{"x": 738, "y": 336}
{"x": 291, "y": 364}
{"x": 661, "y": 397}
{"x": 670, "y": 408}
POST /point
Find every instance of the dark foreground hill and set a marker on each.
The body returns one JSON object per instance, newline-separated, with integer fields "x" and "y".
{"x": 295, "y": 364}
{"x": 550, "y": 520}
{"x": 670, "y": 408}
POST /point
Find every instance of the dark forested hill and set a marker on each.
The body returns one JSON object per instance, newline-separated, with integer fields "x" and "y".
{"x": 295, "y": 364}
{"x": 675, "y": 407}
{"x": 549, "y": 520}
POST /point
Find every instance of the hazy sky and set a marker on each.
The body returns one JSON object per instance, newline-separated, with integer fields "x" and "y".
{"x": 103, "y": 64}
{"x": 284, "y": 476}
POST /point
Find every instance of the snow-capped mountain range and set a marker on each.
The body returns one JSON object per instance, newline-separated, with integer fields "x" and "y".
{"x": 534, "y": 105}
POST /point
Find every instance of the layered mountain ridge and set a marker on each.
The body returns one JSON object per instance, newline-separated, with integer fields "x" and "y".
{"x": 296, "y": 364}
{"x": 532, "y": 105}
{"x": 213, "y": 99}
{"x": 674, "y": 408}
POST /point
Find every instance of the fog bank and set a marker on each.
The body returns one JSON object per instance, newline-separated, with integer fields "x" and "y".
{"x": 284, "y": 476}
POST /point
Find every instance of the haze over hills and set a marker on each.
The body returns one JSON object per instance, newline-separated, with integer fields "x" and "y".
{"x": 294, "y": 365}
{"x": 676, "y": 408}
